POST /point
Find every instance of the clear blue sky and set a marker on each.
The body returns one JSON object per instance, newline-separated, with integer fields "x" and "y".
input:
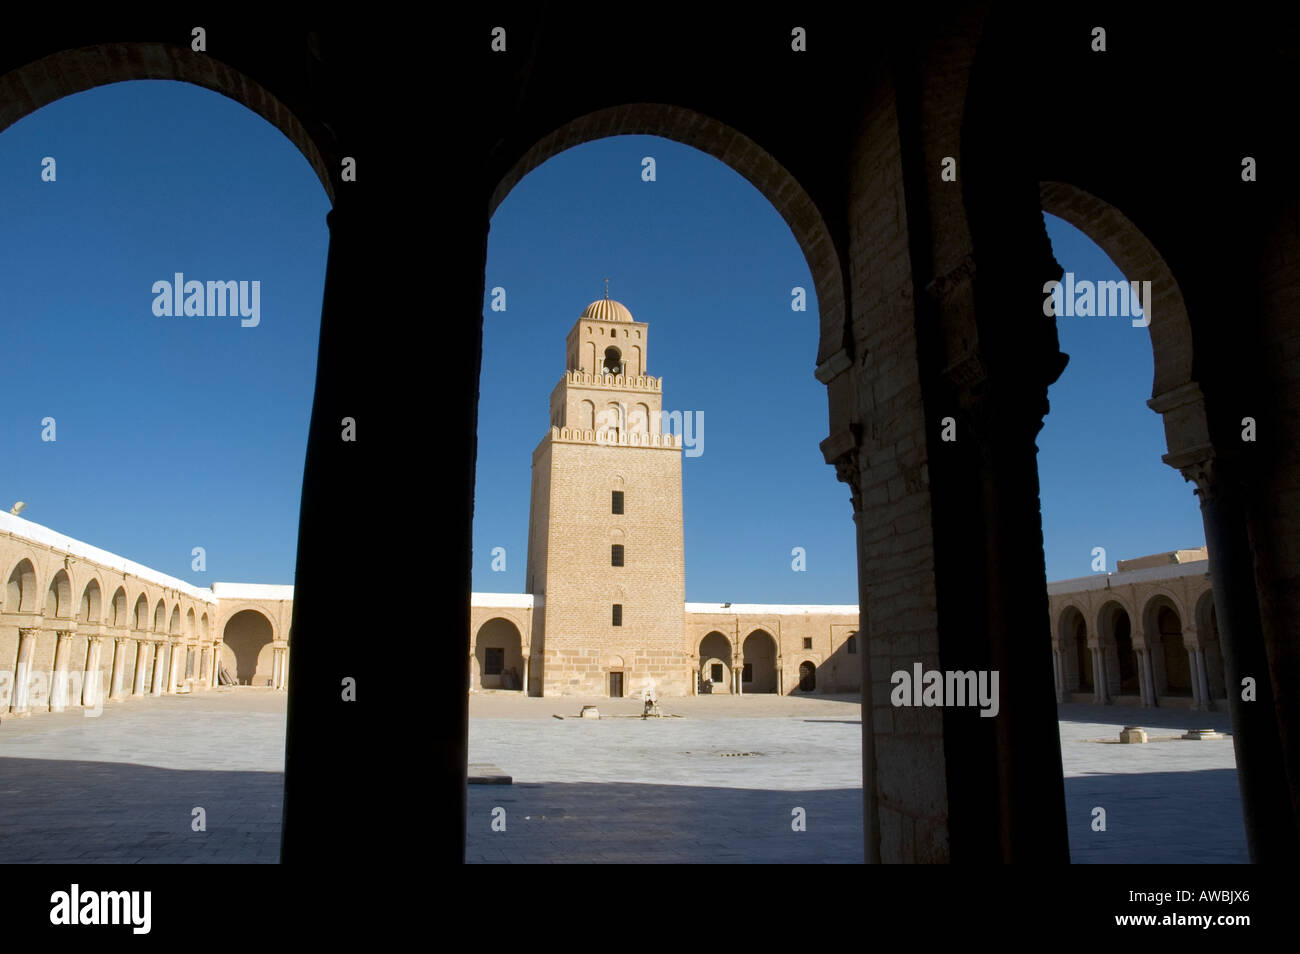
{"x": 171, "y": 433}
{"x": 183, "y": 432}
{"x": 706, "y": 260}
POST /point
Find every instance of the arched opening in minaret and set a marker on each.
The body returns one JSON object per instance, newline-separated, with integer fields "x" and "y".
{"x": 613, "y": 361}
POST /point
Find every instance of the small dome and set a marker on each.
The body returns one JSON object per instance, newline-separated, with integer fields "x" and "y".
{"x": 606, "y": 309}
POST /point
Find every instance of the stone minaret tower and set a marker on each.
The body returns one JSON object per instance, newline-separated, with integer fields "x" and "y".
{"x": 605, "y": 556}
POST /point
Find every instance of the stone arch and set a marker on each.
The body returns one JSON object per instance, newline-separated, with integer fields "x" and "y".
{"x": 1073, "y": 630}
{"x": 1115, "y": 635}
{"x": 638, "y": 418}
{"x": 761, "y": 657}
{"x": 587, "y": 415}
{"x": 205, "y": 627}
{"x": 58, "y": 597}
{"x": 498, "y": 660}
{"x": 91, "y": 603}
{"x": 174, "y": 625}
{"x": 1163, "y": 622}
{"x": 118, "y": 614}
{"x": 715, "y": 663}
{"x": 1175, "y": 395}
{"x": 612, "y": 362}
{"x": 160, "y": 617}
{"x": 189, "y": 623}
{"x": 807, "y": 676}
{"x": 20, "y": 589}
{"x": 740, "y": 153}
{"x": 33, "y": 85}
{"x": 140, "y": 620}
{"x": 246, "y": 646}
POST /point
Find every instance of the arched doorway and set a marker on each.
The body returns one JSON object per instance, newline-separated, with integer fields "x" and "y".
{"x": 715, "y": 664}
{"x": 1074, "y": 646}
{"x": 1116, "y": 636}
{"x": 246, "y": 642}
{"x": 1178, "y": 674}
{"x": 498, "y": 656}
{"x": 760, "y": 673}
{"x": 807, "y": 677}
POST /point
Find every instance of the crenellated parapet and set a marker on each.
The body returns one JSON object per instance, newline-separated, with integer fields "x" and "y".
{"x": 619, "y": 382}
{"x": 603, "y": 437}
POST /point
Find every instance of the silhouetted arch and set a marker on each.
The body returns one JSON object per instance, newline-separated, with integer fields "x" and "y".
{"x": 727, "y": 144}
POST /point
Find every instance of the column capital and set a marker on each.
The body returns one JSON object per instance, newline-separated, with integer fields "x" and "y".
{"x": 64, "y": 633}
{"x": 842, "y": 450}
{"x": 28, "y": 632}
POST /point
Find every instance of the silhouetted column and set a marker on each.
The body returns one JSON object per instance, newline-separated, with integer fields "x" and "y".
{"x": 1058, "y": 673}
{"x": 23, "y": 672}
{"x": 59, "y": 681}
{"x": 848, "y": 470}
{"x": 1266, "y": 803}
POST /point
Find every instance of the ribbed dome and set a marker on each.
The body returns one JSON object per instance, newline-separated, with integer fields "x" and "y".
{"x": 606, "y": 309}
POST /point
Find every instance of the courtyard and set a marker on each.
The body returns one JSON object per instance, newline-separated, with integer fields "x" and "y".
{"x": 718, "y": 779}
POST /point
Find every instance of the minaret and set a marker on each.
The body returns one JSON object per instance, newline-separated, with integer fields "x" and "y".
{"x": 605, "y": 554}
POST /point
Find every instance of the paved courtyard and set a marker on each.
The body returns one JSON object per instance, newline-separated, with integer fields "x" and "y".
{"x": 720, "y": 783}
{"x": 718, "y": 780}
{"x": 121, "y": 788}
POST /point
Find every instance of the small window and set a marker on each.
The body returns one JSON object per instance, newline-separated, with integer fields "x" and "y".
{"x": 852, "y": 643}
{"x": 494, "y": 662}
{"x": 616, "y": 554}
{"x": 807, "y": 642}
{"x": 747, "y": 673}
{"x": 617, "y": 505}
{"x": 618, "y": 614}
{"x": 716, "y": 674}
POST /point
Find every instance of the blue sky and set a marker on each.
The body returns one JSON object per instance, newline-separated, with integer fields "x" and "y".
{"x": 171, "y": 433}
{"x": 181, "y": 432}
